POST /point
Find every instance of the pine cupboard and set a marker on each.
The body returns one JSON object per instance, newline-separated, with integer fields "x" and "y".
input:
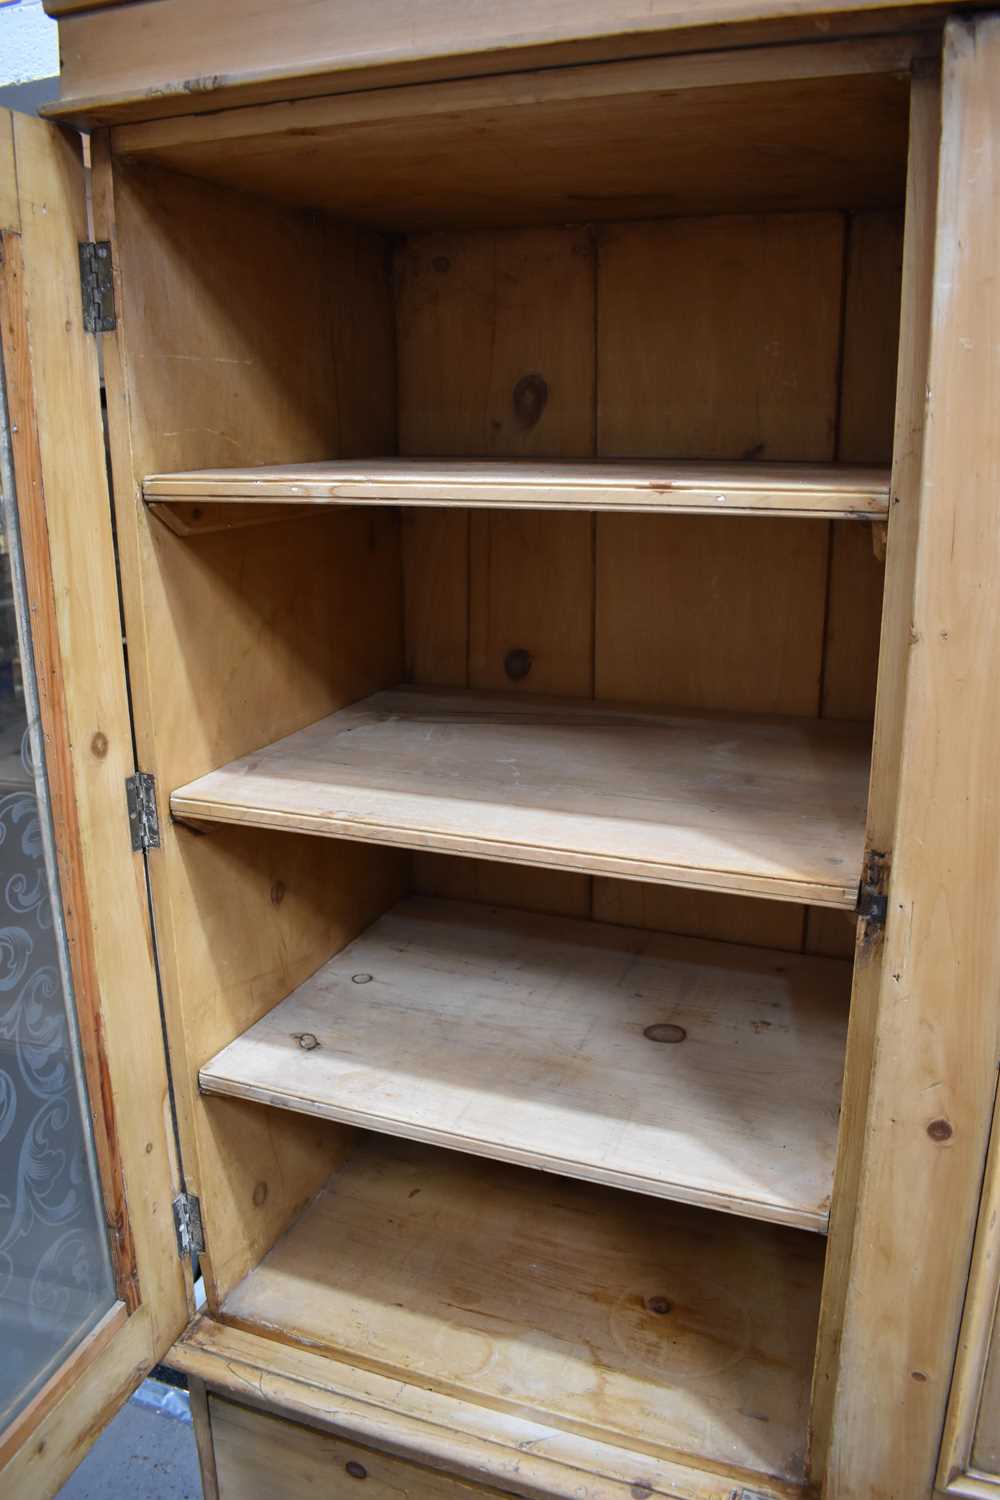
{"x": 541, "y": 596}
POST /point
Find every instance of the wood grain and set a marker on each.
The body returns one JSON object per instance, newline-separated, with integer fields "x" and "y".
{"x": 755, "y": 806}
{"x": 496, "y": 356}
{"x": 259, "y": 1456}
{"x": 523, "y": 1038}
{"x": 677, "y": 487}
{"x": 932, "y": 1087}
{"x": 454, "y": 1436}
{"x": 301, "y": 618}
{"x": 536, "y": 1296}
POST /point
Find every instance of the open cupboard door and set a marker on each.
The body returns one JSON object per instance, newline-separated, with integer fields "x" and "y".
{"x": 93, "y": 1289}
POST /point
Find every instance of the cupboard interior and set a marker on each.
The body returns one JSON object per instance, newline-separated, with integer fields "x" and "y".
{"x": 426, "y": 287}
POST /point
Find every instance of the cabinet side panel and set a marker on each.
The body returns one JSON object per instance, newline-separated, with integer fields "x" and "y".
{"x": 496, "y": 356}
{"x": 246, "y": 333}
{"x": 933, "y": 1073}
{"x": 857, "y": 574}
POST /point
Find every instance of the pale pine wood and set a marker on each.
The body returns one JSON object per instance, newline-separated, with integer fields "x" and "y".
{"x": 710, "y": 325}
{"x": 639, "y": 139}
{"x": 476, "y": 314}
{"x": 52, "y": 382}
{"x": 76, "y": 1366}
{"x": 10, "y": 209}
{"x": 202, "y": 1424}
{"x": 522, "y": 1038}
{"x": 972, "y": 1430}
{"x": 894, "y": 660}
{"x": 937, "y": 1024}
{"x": 530, "y": 1294}
{"x": 115, "y": 68}
{"x": 526, "y": 887}
{"x": 259, "y": 1456}
{"x": 867, "y": 401}
{"x": 688, "y": 611}
{"x": 516, "y": 1453}
{"x": 675, "y": 487}
{"x": 302, "y": 619}
{"x": 754, "y": 806}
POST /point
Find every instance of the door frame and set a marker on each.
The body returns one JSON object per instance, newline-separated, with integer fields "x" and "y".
{"x": 60, "y": 478}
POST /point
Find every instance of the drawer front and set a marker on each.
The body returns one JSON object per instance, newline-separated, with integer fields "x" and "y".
{"x": 260, "y": 1457}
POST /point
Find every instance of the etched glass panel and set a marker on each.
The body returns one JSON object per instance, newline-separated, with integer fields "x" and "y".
{"x": 56, "y": 1279}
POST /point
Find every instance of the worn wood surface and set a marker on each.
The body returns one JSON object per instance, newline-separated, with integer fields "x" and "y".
{"x": 894, "y": 656}
{"x": 971, "y": 1443}
{"x": 514, "y": 1452}
{"x": 496, "y": 356}
{"x": 301, "y": 619}
{"x": 637, "y": 140}
{"x": 259, "y": 1456}
{"x": 545, "y": 1298}
{"x": 178, "y": 57}
{"x": 754, "y": 806}
{"x": 524, "y": 1038}
{"x": 52, "y": 383}
{"x": 936, "y": 1027}
{"x": 679, "y": 487}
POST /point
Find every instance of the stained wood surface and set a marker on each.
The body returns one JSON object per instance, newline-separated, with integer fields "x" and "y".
{"x": 672, "y": 1331}
{"x": 718, "y": 489}
{"x": 521, "y": 1037}
{"x": 756, "y": 806}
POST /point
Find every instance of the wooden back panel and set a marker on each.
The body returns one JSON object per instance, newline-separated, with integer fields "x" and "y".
{"x": 770, "y": 336}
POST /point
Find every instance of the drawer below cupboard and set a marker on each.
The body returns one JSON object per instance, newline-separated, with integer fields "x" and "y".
{"x": 257, "y": 1456}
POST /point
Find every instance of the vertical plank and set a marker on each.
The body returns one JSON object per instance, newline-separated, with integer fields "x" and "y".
{"x": 696, "y": 612}
{"x": 894, "y": 656}
{"x": 496, "y": 356}
{"x": 933, "y": 1074}
{"x": 867, "y": 404}
{"x": 303, "y": 617}
{"x": 716, "y": 338}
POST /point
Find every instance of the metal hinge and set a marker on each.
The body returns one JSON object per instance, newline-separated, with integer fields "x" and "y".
{"x": 97, "y": 287}
{"x": 187, "y": 1222}
{"x": 144, "y": 822}
{"x": 873, "y": 891}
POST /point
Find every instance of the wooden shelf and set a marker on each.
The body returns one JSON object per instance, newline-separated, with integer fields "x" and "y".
{"x": 762, "y": 807}
{"x": 523, "y": 1037}
{"x": 652, "y": 1325}
{"x": 686, "y": 488}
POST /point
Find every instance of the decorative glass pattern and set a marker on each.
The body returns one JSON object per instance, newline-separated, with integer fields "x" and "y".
{"x": 56, "y": 1279}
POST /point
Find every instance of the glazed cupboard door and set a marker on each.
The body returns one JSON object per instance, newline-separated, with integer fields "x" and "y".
{"x": 92, "y": 1289}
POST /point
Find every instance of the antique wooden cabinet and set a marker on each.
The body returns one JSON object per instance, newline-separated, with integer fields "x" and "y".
{"x": 545, "y": 966}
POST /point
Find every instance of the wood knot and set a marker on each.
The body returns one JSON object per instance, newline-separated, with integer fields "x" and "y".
{"x": 663, "y": 1031}
{"x": 259, "y": 1194}
{"x": 517, "y": 663}
{"x": 99, "y": 745}
{"x": 356, "y": 1470}
{"x": 529, "y": 399}
{"x": 278, "y": 891}
{"x": 307, "y": 1040}
{"x": 940, "y": 1130}
{"x": 660, "y": 1306}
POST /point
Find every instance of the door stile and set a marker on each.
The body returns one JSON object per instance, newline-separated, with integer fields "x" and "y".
{"x": 937, "y": 1026}
{"x": 64, "y": 520}
{"x": 894, "y": 653}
